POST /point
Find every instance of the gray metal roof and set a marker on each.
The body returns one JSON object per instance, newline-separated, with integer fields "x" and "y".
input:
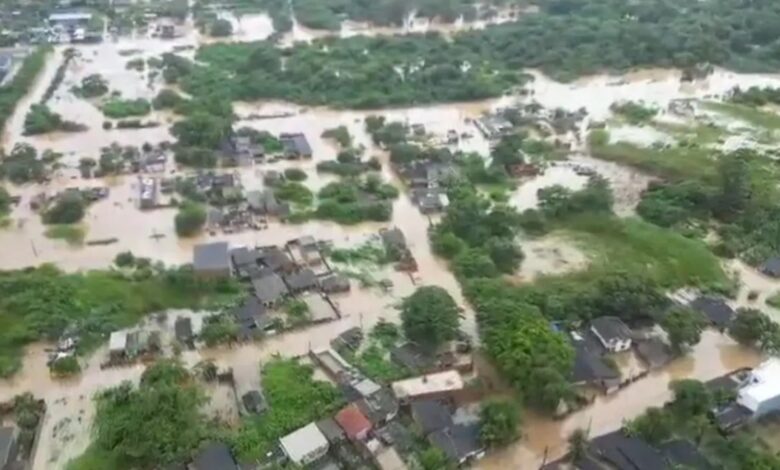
{"x": 269, "y": 288}
{"x": 211, "y": 256}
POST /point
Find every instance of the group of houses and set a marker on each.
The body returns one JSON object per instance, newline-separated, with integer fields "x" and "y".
{"x": 426, "y": 180}
{"x": 243, "y": 150}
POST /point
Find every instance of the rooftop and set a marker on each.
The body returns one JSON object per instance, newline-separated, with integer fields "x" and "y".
{"x": 458, "y": 442}
{"x": 269, "y": 288}
{"x": 447, "y": 381}
{"x": 625, "y": 452}
{"x": 715, "y": 309}
{"x": 296, "y": 143}
{"x": 763, "y": 384}
{"x": 117, "y": 341}
{"x": 215, "y": 456}
{"x": 331, "y": 430}
{"x": 431, "y": 415}
{"x": 7, "y": 438}
{"x": 611, "y": 328}
{"x": 301, "y": 442}
{"x": 211, "y": 256}
{"x": 353, "y": 421}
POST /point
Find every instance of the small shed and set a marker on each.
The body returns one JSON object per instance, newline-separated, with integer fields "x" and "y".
{"x": 305, "y": 445}
{"x": 117, "y": 344}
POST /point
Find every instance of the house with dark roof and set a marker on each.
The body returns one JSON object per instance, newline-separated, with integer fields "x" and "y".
{"x": 254, "y": 402}
{"x": 182, "y": 328}
{"x": 681, "y": 453}
{"x": 270, "y": 289}
{"x": 460, "y": 443}
{"x": 277, "y": 260}
{"x": 301, "y": 281}
{"x": 612, "y": 333}
{"x": 295, "y": 145}
{"x": 331, "y": 430}
{"x": 771, "y": 267}
{"x": 8, "y": 447}
{"x": 431, "y": 415}
{"x": 215, "y": 456}
{"x": 626, "y": 453}
{"x": 354, "y": 423}
{"x": 212, "y": 260}
{"x": 251, "y": 317}
{"x": 715, "y": 309}
{"x": 590, "y": 369}
{"x": 410, "y": 356}
{"x": 335, "y": 283}
{"x": 379, "y": 407}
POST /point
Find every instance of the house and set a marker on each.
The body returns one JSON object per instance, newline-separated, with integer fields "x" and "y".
{"x": 277, "y": 260}
{"x": 251, "y": 317}
{"x": 715, "y": 310}
{"x": 431, "y": 415}
{"x": 295, "y": 145}
{"x": 212, "y": 260}
{"x": 354, "y": 423}
{"x": 379, "y": 407}
{"x": 301, "y": 281}
{"x": 8, "y": 446}
{"x": 70, "y": 19}
{"x": 215, "y": 456}
{"x": 254, "y": 402}
{"x": 681, "y": 453}
{"x": 147, "y": 192}
{"x": 625, "y": 452}
{"x": 269, "y": 289}
{"x": 331, "y": 430}
{"x": 590, "y": 369}
{"x": 460, "y": 443}
{"x": 771, "y": 267}
{"x": 310, "y": 251}
{"x": 305, "y": 445}
{"x": 613, "y": 334}
{"x": 321, "y": 309}
{"x": 117, "y": 344}
{"x": 387, "y": 458}
{"x": 334, "y": 284}
{"x": 438, "y": 385}
{"x": 182, "y": 328}
{"x": 410, "y": 356}
{"x": 493, "y": 126}
{"x": 761, "y": 391}
{"x": 245, "y": 261}
{"x": 654, "y": 352}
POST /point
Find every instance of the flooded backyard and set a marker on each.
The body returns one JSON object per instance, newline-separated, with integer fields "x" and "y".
{"x": 151, "y": 233}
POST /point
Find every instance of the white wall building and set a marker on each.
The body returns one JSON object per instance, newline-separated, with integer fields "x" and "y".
{"x": 761, "y": 392}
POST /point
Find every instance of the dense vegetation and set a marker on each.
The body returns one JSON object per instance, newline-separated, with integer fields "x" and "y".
{"x": 24, "y": 165}
{"x": 66, "y": 209}
{"x": 499, "y": 422}
{"x": 118, "y": 108}
{"x": 190, "y": 219}
{"x": 11, "y": 93}
{"x": 40, "y": 304}
{"x": 430, "y": 317}
{"x": 40, "y": 119}
{"x": 92, "y": 86}
{"x": 294, "y": 399}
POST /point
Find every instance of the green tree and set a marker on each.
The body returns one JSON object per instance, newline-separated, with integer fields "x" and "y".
{"x": 683, "y": 326}
{"x": 654, "y": 426}
{"x": 751, "y": 326}
{"x": 506, "y": 255}
{"x": 578, "y": 444}
{"x": 5, "y": 202}
{"x": 66, "y": 366}
{"x": 691, "y": 398}
{"x": 202, "y": 130}
{"x": 219, "y": 330}
{"x": 220, "y": 28}
{"x": 430, "y": 316}
{"x": 735, "y": 188}
{"x": 124, "y": 259}
{"x": 499, "y": 422}
{"x": 473, "y": 262}
{"x": 433, "y": 459}
{"x": 68, "y": 209}
{"x": 167, "y": 99}
{"x": 190, "y": 219}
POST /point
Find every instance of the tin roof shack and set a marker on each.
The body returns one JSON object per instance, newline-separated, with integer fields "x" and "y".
{"x": 270, "y": 289}
{"x": 335, "y": 284}
{"x": 8, "y": 446}
{"x": 305, "y": 445}
{"x": 439, "y": 385}
{"x": 212, "y": 260}
{"x": 761, "y": 392}
{"x": 215, "y": 456}
{"x": 147, "y": 192}
{"x": 613, "y": 334}
{"x": 461, "y": 443}
{"x": 295, "y": 145}
{"x": 354, "y": 423}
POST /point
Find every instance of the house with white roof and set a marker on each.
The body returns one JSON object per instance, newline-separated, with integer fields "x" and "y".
{"x": 761, "y": 391}
{"x": 305, "y": 445}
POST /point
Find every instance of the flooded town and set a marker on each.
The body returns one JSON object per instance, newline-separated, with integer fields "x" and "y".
{"x": 320, "y": 234}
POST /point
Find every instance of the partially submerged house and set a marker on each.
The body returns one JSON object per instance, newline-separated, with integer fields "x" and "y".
{"x": 251, "y": 317}
{"x": 761, "y": 391}
{"x": 305, "y": 445}
{"x": 295, "y": 145}
{"x": 334, "y": 284}
{"x": 301, "y": 281}
{"x": 626, "y": 452}
{"x": 590, "y": 369}
{"x": 715, "y": 310}
{"x": 439, "y": 385}
{"x": 270, "y": 289}
{"x": 461, "y": 443}
{"x": 212, "y": 260}
{"x": 613, "y": 334}
{"x": 182, "y": 328}
{"x": 215, "y": 456}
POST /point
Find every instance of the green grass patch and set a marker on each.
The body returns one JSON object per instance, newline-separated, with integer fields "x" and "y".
{"x": 753, "y": 116}
{"x": 774, "y": 300}
{"x": 94, "y": 458}
{"x": 635, "y": 246}
{"x": 665, "y": 161}
{"x": 370, "y": 252}
{"x": 118, "y": 108}
{"x": 70, "y": 233}
{"x": 699, "y": 134}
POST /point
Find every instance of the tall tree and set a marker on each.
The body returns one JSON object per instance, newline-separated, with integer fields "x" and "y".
{"x": 430, "y": 316}
{"x": 683, "y": 326}
{"x": 499, "y": 421}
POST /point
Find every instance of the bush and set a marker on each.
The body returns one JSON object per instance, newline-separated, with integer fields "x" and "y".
{"x": 166, "y": 99}
{"x": 117, "y": 108}
{"x": 190, "y": 219}
{"x": 92, "y": 86}
{"x": 339, "y": 134}
{"x": 220, "y": 28}
{"x": 294, "y": 192}
{"x": 65, "y": 367}
{"x": 295, "y": 174}
{"x": 124, "y": 259}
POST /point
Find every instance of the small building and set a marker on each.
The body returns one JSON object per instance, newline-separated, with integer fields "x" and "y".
{"x": 354, "y": 423}
{"x": 431, "y": 415}
{"x": 715, "y": 309}
{"x": 70, "y": 19}
{"x": 460, "y": 443}
{"x": 270, "y": 289}
{"x": 771, "y": 267}
{"x": 334, "y": 284}
{"x": 215, "y": 456}
{"x": 331, "y": 430}
{"x": 212, "y": 260}
{"x": 301, "y": 281}
{"x": 295, "y": 145}
{"x": 182, "y": 328}
{"x": 379, "y": 407}
{"x": 277, "y": 260}
{"x": 613, "y": 334}
{"x": 590, "y": 369}
{"x": 438, "y": 385}
{"x": 254, "y": 402}
{"x": 147, "y": 192}
{"x": 622, "y": 451}
{"x": 251, "y": 317}
{"x": 761, "y": 392}
{"x": 682, "y": 453}
{"x": 305, "y": 445}
{"x": 117, "y": 344}
{"x": 8, "y": 446}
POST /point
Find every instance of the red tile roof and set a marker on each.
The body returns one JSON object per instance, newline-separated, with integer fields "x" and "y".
{"x": 353, "y": 421}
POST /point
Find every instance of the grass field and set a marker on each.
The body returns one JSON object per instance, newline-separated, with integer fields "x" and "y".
{"x": 754, "y": 116}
